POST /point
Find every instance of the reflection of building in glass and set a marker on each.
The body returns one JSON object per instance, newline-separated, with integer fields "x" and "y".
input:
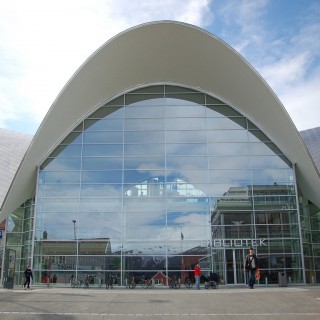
{"x": 259, "y": 204}
{"x": 156, "y": 187}
{"x": 54, "y": 256}
{"x": 267, "y": 219}
{"x": 133, "y": 179}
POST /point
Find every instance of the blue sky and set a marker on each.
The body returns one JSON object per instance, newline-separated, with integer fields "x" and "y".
{"x": 42, "y": 43}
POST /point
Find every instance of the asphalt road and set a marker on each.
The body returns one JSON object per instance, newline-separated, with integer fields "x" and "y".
{"x": 262, "y": 303}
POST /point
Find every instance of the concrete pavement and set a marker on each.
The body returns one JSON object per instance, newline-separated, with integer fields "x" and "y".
{"x": 262, "y": 303}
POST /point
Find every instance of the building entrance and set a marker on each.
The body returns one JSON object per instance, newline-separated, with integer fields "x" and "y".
{"x": 234, "y": 262}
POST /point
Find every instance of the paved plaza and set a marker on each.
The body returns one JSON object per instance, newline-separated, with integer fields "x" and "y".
{"x": 262, "y": 303}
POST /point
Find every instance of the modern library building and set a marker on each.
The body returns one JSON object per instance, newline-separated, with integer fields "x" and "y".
{"x": 165, "y": 149}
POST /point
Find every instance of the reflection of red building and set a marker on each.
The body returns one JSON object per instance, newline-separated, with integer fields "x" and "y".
{"x": 160, "y": 278}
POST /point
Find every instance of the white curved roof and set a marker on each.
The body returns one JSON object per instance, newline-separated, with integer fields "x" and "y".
{"x": 164, "y": 52}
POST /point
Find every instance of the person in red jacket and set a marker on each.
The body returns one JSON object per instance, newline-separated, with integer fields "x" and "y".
{"x": 197, "y": 274}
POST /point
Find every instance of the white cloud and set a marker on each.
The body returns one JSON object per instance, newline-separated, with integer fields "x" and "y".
{"x": 295, "y": 77}
{"x": 286, "y": 60}
{"x": 43, "y": 43}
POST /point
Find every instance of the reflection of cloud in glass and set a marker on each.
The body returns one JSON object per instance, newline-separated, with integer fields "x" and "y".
{"x": 152, "y": 172}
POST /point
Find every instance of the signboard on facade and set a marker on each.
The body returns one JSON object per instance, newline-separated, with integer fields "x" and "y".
{"x": 238, "y": 243}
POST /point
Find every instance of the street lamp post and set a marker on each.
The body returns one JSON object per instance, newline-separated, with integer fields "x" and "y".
{"x": 76, "y": 239}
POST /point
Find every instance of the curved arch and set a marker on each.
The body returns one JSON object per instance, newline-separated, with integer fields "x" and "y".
{"x": 166, "y": 52}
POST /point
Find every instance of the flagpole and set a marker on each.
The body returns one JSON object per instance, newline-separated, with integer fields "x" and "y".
{"x": 182, "y": 267}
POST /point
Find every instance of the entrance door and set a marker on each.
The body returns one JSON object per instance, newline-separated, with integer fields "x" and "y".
{"x": 234, "y": 266}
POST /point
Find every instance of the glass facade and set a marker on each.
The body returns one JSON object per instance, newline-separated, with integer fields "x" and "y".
{"x": 157, "y": 180}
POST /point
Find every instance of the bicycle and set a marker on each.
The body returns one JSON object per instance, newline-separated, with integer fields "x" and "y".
{"x": 86, "y": 282}
{"x": 132, "y": 283}
{"x": 188, "y": 283}
{"x": 75, "y": 282}
{"x": 146, "y": 283}
{"x": 109, "y": 282}
{"x": 174, "y": 283}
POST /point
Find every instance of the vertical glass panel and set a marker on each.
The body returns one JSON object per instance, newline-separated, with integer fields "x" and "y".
{"x": 93, "y": 163}
{"x": 225, "y": 123}
{"x": 234, "y": 162}
{"x": 227, "y": 135}
{"x": 186, "y": 136}
{"x": 187, "y": 162}
{"x": 62, "y": 164}
{"x": 218, "y": 149}
{"x": 185, "y": 124}
{"x": 144, "y": 149}
{"x": 100, "y": 150}
{"x": 144, "y": 136}
{"x": 103, "y": 124}
{"x": 66, "y": 151}
{"x": 146, "y": 125}
{"x": 99, "y": 176}
{"x": 59, "y": 177}
{"x": 145, "y": 111}
{"x": 98, "y": 137}
{"x": 196, "y": 149}
{"x": 145, "y": 163}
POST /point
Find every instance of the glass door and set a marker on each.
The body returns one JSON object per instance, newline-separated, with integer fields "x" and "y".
{"x": 234, "y": 266}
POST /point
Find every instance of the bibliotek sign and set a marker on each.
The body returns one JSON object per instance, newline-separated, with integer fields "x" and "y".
{"x": 238, "y": 243}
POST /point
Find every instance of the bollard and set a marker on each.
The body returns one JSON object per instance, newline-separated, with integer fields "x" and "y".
{"x": 266, "y": 281}
{"x": 289, "y": 279}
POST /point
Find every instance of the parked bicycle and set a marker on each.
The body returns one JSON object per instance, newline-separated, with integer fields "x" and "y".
{"x": 109, "y": 282}
{"x": 174, "y": 282}
{"x": 188, "y": 282}
{"x": 75, "y": 282}
{"x": 86, "y": 282}
{"x": 146, "y": 282}
{"x": 132, "y": 282}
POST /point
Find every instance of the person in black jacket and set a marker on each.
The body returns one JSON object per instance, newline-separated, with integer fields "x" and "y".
{"x": 250, "y": 266}
{"x": 28, "y": 276}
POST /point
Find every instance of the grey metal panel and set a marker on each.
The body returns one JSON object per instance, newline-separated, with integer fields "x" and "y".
{"x": 311, "y": 138}
{"x": 165, "y": 52}
{"x": 13, "y": 146}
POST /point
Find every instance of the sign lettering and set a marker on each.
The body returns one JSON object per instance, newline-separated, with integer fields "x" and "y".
{"x": 238, "y": 243}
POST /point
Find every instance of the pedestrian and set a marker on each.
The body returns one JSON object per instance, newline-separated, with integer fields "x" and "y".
{"x": 28, "y": 276}
{"x": 197, "y": 274}
{"x": 250, "y": 266}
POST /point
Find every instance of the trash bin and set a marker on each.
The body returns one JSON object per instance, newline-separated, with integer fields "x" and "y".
{"x": 282, "y": 279}
{"x": 8, "y": 283}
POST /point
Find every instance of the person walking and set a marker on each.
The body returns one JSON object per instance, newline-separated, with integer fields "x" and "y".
{"x": 197, "y": 274}
{"x": 250, "y": 266}
{"x": 28, "y": 276}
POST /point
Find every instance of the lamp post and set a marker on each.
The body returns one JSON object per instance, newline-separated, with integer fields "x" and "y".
{"x": 76, "y": 239}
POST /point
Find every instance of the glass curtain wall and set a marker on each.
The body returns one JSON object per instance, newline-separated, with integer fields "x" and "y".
{"x": 19, "y": 237}
{"x": 157, "y": 180}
